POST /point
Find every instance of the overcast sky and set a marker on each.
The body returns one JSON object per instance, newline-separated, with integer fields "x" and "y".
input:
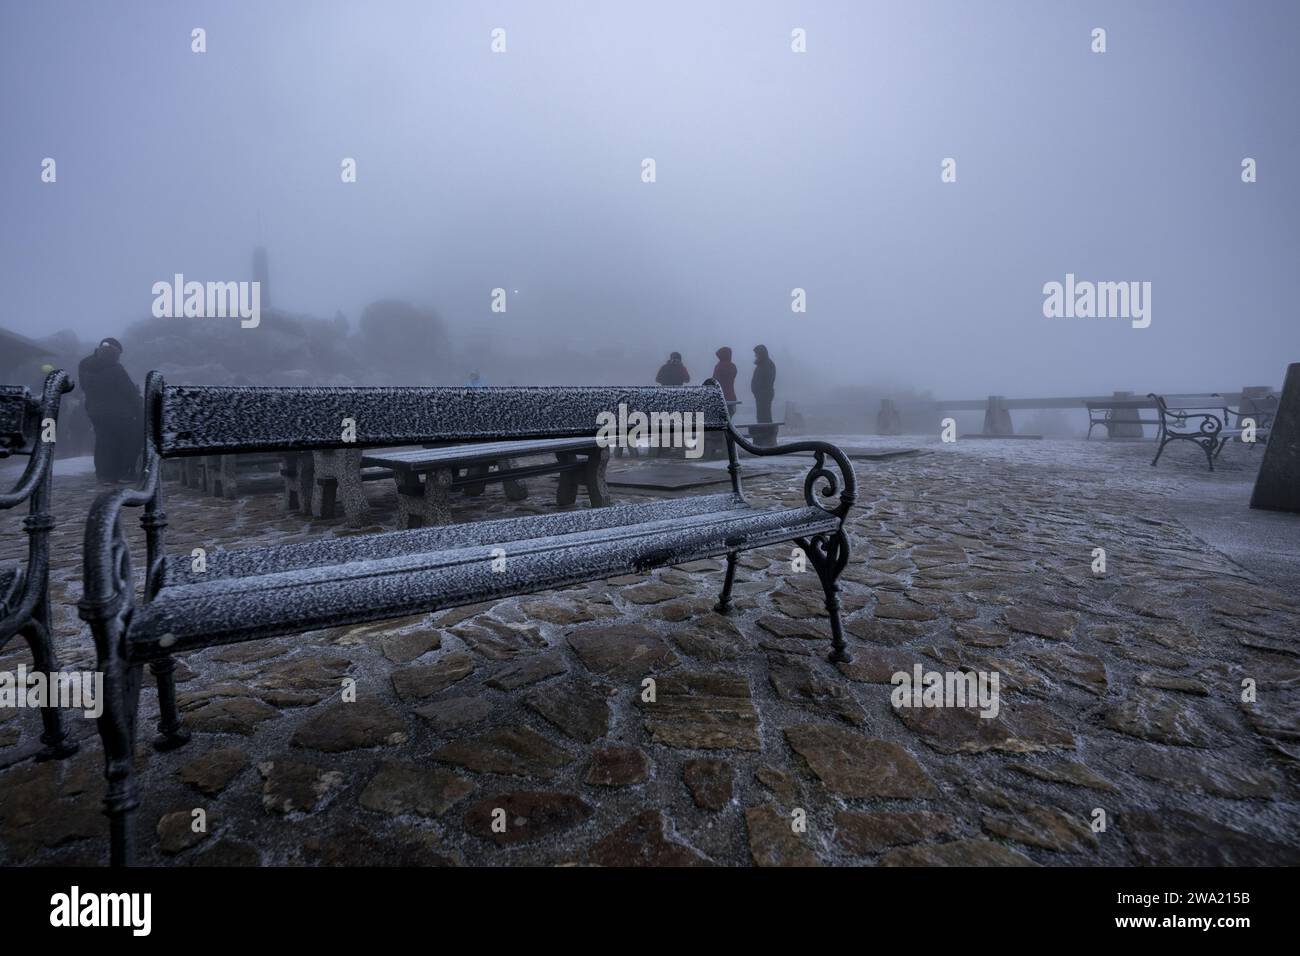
{"x": 775, "y": 170}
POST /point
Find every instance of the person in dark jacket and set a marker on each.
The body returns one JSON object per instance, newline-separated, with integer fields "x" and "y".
{"x": 673, "y": 372}
{"x": 116, "y": 411}
{"x": 724, "y": 373}
{"x": 763, "y": 384}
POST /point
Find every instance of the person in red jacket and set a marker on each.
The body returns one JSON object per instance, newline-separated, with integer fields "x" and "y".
{"x": 725, "y": 375}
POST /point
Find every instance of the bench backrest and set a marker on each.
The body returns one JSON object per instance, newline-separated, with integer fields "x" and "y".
{"x": 194, "y": 420}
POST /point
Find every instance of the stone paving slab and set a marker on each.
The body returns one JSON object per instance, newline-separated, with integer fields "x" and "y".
{"x": 1120, "y": 693}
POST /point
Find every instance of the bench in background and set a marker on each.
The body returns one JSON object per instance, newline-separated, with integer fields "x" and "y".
{"x": 1209, "y": 427}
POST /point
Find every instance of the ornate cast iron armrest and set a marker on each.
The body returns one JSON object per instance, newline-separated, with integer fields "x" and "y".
{"x": 1175, "y": 419}
{"x": 109, "y": 584}
{"x": 34, "y": 486}
{"x": 57, "y": 384}
{"x": 1263, "y": 417}
{"x": 845, "y": 485}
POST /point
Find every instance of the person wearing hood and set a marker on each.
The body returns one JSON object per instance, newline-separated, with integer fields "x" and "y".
{"x": 724, "y": 373}
{"x": 116, "y": 411}
{"x": 673, "y": 372}
{"x": 763, "y": 383}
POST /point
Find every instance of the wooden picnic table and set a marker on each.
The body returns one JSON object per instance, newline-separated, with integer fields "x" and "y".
{"x": 426, "y": 476}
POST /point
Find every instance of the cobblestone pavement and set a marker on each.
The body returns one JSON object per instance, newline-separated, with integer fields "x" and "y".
{"x": 1120, "y": 693}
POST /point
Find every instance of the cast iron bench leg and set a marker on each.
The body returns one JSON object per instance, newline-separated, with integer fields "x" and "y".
{"x": 724, "y": 602}
{"x": 829, "y": 554}
{"x": 1159, "y": 451}
{"x": 172, "y": 732}
{"x": 117, "y": 730}
{"x": 54, "y": 736}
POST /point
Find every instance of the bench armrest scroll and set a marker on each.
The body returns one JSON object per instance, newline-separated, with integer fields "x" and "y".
{"x": 845, "y": 484}
{"x": 109, "y": 588}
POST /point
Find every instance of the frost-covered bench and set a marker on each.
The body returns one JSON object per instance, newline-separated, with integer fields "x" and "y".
{"x": 24, "y": 588}
{"x": 1200, "y": 425}
{"x": 253, "y": 593}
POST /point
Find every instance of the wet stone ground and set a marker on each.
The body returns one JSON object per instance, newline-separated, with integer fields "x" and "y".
{"x": 1120, "y": 693}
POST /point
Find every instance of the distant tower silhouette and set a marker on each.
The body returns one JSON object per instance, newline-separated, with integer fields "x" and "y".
{"x": 261, "y": 274}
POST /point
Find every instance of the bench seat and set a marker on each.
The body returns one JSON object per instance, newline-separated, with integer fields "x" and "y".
{"x": 262, "y": 592}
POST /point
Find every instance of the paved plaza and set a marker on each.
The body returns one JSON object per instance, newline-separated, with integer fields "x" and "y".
{"x": 1122, "y": 735}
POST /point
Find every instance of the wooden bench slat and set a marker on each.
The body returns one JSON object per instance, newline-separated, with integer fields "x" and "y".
{"x": 330, "y": 551}
{"x": 229, "y": 610}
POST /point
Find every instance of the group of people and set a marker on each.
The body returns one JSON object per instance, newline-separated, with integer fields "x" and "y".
{"x": 762, "y": 383}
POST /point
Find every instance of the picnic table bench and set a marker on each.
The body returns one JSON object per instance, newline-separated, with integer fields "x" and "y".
{"x": 24, "y": 588}
{"x": 426, "y": 476}
{"x": 295, "y": 588}
{"x": 1210, "y": 427}
{"x": 1103, "y": 413}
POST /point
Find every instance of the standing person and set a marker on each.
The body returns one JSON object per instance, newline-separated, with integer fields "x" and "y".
{"x": 763, "y": 384}
{"x": 673, "y": 372}
{"x": 724, "y": 373}
{"x": 116, "y": 411}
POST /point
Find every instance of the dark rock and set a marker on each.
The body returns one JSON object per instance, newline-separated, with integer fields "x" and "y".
{"x": 425, "y": 680}
{"x": 176, "y": 832}
{"x": 401, "y": 788}
{"x": 212, "y": 772}
{"x": 865, "y": 833}
{"x": 291, "y": 785}
{"x": 618, "y": 767}
{"x": 773, "y": 841}
{"x": 579, "y": 708}
{"x": 455, "y": 712}
{"x": 704, "y": 711}
{"x": 710, "y": 782}
{"x": 956, "y": 853}
{"x": 626, "y": 652}
{"x": 355, "y": 726}
{"x": 856, "y": 766}
{"x": 529, "y": 815}
{"x": 529, "y": 670}
{"x": 517, "y": 750}
{"x": 644, "y": 841}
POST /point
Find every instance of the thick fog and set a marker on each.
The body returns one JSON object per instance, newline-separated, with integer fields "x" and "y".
{"x": 774, "y": 170}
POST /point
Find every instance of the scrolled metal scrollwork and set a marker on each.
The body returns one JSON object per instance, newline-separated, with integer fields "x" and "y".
{"x": 843, "y": 485}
